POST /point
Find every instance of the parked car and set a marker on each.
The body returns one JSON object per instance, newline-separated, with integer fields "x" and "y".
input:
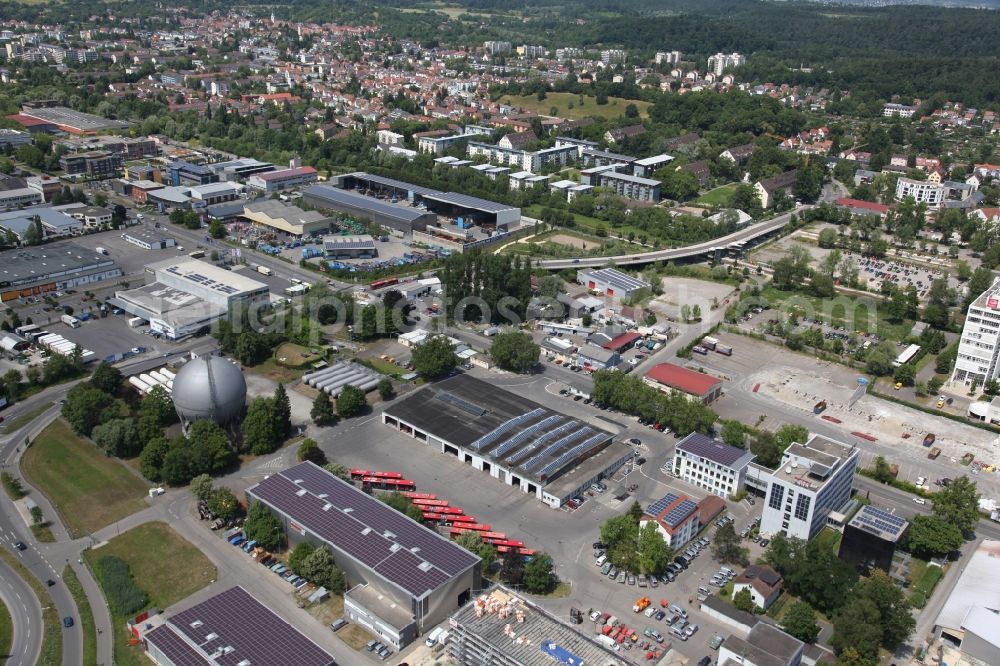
{"x": 338, "y": 624}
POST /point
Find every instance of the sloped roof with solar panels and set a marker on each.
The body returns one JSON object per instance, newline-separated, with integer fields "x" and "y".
{"x": 672, "y": 510}
{"x": 400, "y": 550}
{"x": 532, "y": 441}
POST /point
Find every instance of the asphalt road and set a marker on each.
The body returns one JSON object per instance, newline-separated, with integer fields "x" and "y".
{"x": 26, "y": 616}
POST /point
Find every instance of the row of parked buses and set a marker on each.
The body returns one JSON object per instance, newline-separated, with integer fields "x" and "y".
{"x": 439, "y": 511}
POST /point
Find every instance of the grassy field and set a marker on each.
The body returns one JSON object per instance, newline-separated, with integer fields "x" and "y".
{"x": 24, "y": 419}
{"x": 271, "y": 369}
{"x": 562, "y": 101}
{"x": 88, "y": 489}
{"x": 923, "y": 579}
{"x": 294, "y": 356}
{"x": 51, "y": 654}
{"x": 857, "y": 313}
{"x": 43, "y": 533}
{"x": 87, "y": 626}
{"x": 720, "y": 196}
{"x": 166, "y": 579}
{"x": 6, "y": 632}
{"x": 830, "y": 538}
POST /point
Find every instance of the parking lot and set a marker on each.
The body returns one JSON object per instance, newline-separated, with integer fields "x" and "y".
{"x": 565, "y": 535}
{"x": 903, "y": 275}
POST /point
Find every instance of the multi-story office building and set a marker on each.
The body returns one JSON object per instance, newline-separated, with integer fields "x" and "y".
{"x": 96, "y": 164}
{"x": 979, "y": 346}
{"x": 710, "y": 464}
{"x": 813, "y": 479}
{"x": 921, "y": 191}
{"x": 901, "y": 110}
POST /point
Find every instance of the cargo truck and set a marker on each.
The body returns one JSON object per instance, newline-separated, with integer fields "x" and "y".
{"x": 725, "y": 350}
{"x": 263, "y": 270}
{"x": 70, "y": 321}
{"x": 136, "y": 322}
{"x": 708, "y": 342}
{"x": 101, "y": 250}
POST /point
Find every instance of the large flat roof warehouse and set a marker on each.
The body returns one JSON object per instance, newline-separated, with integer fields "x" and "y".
{"x": 378, "y": 182}
{"x": 33, "y": 264}
{"x": 336, "y": 197}
{"x": 231, "y": 629}
{"x": 206, "y": 276}
{"x": 76, "y": 122}
{"x": 516, "y": 434}
{"x": 619, "y": 281}
{"x": 402, "y": 551}
{"x": 466, "y": 201}
{"x": 523, "y": 633}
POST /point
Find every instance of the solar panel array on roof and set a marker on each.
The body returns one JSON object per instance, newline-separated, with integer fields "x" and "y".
{"x": 538, "y": 443}
{"x": 364, "y": 528}
{"x": 657, "y": 507}
{"x": 233, "y": 628}
{"x": 552, "y": 448}
{"x": 879, "y": 521}
{"x": 677, "y": 514}
{"x": 506, "y": 427}
{"x": 392, "y": 182}
{"x": 466, "y": 201}
{"x": 573, "y": 453}
{"x": 711, "y": 449}
{"x": 463, "y": 404}
{"x": 525, "y": 435}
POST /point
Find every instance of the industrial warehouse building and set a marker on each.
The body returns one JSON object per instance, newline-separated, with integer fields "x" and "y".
{"x": 610, "y": 282}
{"x": 501, "y": 628}
{"x": 361, "y": 246}
{"x": 404, "y": 219}
{"x": 287, "y": 219}
{"x": 275, "y": 181}
{"x": 669, "y": 377}
{"x": 231, "y": 627}
{"x": 475, "y": 211}
{"x": 403, "y": 577}
{"x": 185, "y": 296}
{"x": 514, "y": 440}
{"x": 33, "y": 271}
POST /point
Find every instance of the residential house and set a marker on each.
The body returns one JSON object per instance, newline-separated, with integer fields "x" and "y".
{"x": 763, "y": 582}
{"x": 619, "y": 134}
{"x": 767, "y": 188}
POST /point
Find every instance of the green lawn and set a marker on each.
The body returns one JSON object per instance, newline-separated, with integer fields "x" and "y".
{"x": 176, "y": 570}
{"x": 6, "y": 632}
{"x": 51, "y": 654}
{"x": 857, "y": 313}
{"x": 923, "y": 578}
{"x": 562, "y": 100}
{"x": 88, "y": 489}
{"x": 830, "y": 538}
{"x": 720, "y": 196}
{"x": 24, "y": 419}
{"x": 87, "y": 625}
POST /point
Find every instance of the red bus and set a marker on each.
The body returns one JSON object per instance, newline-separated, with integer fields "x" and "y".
{"x": 469, "y": 527}
{"x": 387, "y": 282}
{"x": 415, "y": 496}
{"x": 525, "y": 551}
{"x": 389, "y": 484}
{"x": 462, "y": 519}
{"x": 451, "y": 510}
{"x": 430, "y": 502}
{"x": 386, "y": 475}
{"x": 359, "y": 473}
{"x": 428, "y": 515}
{"x": 487, "y": 536}
{"x": 507, "y": 543}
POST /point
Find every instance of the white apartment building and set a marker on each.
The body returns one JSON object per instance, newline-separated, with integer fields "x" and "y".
{"x": 901, "y": 110}
{"x": 668, "y": 57}
{"x": 612, "y": 56}
{"x": 717, "y": 467}
{"x": 813, "y": 480}
{"x": 979, "y": 346}
{"x": 720, "y": 62}
{"x": 921, "y": 191}
{"x": 676, "y": 518}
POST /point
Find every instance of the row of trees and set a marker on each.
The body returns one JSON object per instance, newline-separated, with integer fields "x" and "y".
{"x": 627, "y": 393}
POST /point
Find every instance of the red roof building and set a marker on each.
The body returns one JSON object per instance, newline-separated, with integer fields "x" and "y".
{"x": 670, "y": 377}
{"x": 622, "y": 342}
{"x": 862, "y": 207}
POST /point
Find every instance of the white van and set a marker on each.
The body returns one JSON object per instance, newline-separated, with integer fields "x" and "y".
{"x": 432, "y": 639}
{"x": 601, "y": 560}
{"x": 727, "y": 571}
